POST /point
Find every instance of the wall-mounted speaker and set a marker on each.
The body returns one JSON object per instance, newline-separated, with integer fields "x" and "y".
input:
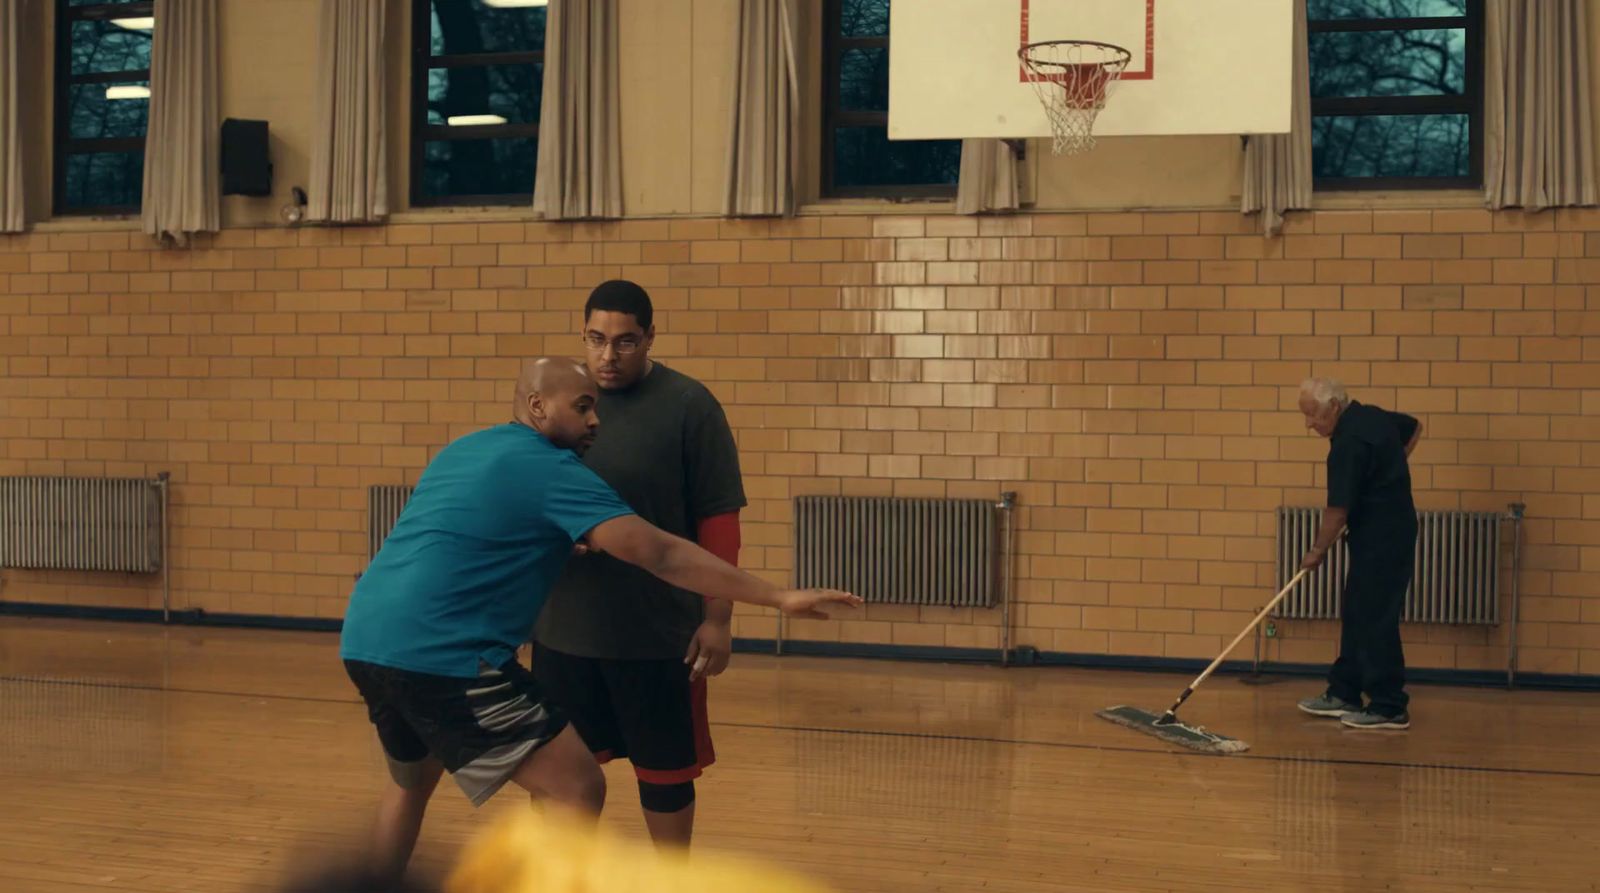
{"x": 246, "y": 166}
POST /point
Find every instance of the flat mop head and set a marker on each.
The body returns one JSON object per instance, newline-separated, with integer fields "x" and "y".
{"x": 1192, "y": 737}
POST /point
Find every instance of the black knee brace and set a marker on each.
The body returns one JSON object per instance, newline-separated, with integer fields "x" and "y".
{"x": 666, "y": 798}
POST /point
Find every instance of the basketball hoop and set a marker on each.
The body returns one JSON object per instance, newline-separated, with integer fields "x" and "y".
{"x": 1072, "y": 79}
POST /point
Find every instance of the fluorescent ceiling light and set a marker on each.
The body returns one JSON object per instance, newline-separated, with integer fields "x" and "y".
{"x": 514, "y": 4}
{"x": 128, "y": 91}
{"x": 145, "y": 23}
{"x": 473, "y": 120}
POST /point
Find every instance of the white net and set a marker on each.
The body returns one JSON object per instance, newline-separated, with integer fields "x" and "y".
{"x": 1072, "y": 79}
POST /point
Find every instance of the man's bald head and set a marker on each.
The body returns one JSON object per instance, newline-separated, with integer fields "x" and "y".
{"x": 552, "y": 375}
{"x": 556, "y": 397}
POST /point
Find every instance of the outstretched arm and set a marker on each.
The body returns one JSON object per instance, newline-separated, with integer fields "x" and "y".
{"x": 687, "y": 566}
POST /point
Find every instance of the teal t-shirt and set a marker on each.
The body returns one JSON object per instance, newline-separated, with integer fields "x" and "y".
{"x": 462, "y": 576}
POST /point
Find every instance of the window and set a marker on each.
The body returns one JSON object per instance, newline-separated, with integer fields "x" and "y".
{"x": 858, "y": 159}
{"x": 477, "y": 77}
{"x": 102, "y": 101}
{"x": 1396, "y": 93}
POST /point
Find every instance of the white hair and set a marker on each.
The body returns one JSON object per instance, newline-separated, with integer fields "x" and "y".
{"x": 1324, "y": 391}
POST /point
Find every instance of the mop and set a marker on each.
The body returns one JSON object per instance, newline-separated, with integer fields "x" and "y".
{"x": 1166, "y": 726}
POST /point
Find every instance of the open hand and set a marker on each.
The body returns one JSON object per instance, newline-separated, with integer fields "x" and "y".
{"x": 807, "y": 603}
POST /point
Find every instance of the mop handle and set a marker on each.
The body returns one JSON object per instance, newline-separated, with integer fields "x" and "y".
{"x": 1237, "y": 639}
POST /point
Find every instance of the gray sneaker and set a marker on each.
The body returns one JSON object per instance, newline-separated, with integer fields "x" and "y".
{"x": 1328, "y": 705}
{"x": 1366, "y": 719}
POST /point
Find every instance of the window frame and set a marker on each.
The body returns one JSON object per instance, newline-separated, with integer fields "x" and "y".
{"x": 1469, "y": 102}
{"x": 834, "y": 46}
{"x": 422, "y": 133}
{"x": 63, "y": 146}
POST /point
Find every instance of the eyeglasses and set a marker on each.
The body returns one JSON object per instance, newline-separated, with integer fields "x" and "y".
{"x": 624, "y": 345}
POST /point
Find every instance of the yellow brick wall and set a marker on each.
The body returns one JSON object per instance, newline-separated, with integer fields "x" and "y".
{"x": 1131, "y": 375}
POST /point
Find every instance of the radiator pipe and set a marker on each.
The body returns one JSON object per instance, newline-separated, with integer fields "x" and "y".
{"x": 1008, "y": 508}
{"x": 162, "y": 480}
{"x": 1514, "y": 512}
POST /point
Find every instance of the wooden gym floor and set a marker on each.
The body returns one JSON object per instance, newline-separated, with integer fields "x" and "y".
{"x": 139, "y": 758}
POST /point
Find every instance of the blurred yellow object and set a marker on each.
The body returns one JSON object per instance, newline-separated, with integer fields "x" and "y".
{"x": 549, "y": 852}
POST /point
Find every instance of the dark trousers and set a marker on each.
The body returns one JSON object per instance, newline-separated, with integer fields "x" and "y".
{"x": 1371, "y": 660}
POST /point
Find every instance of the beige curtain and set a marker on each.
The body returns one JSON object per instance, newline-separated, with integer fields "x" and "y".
{"x": 762, "y": 163}
{"x": 11, "y": 187}
{"x": 1539, "y": 128}
{"x": 349, "y": 164}
{"x": 1277, "y": 166}
{"x": 990, "y": 177}
{"x": 580, "y": 156}
{"x": 182, "y": 192}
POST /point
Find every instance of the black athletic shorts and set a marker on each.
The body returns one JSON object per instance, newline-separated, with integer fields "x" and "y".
{"x": 480, "y": 729}
{"x": 644, "y": 711}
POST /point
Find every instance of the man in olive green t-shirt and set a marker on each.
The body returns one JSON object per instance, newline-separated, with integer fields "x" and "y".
{"x": 625, "y": 654}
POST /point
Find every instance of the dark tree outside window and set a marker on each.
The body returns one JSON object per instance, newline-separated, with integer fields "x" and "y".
{"x": 477, "y": 79}
{"x": 1396, "y": 93}
{"x": 102, "y": 104}
{"x": 858, "y": 158}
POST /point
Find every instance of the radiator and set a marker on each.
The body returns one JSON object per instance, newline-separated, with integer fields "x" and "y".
{"x": 900, "y": 551}
{"x": 384, "y": 502}
{"x": 85, "y": 524}
{"x": 1457, "y": 576}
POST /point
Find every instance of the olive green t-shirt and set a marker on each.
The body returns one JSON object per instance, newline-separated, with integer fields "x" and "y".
{"x": 665, "y": 446}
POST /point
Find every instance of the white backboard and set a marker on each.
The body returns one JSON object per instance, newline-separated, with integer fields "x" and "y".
{"x": 1198, "y": 66}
